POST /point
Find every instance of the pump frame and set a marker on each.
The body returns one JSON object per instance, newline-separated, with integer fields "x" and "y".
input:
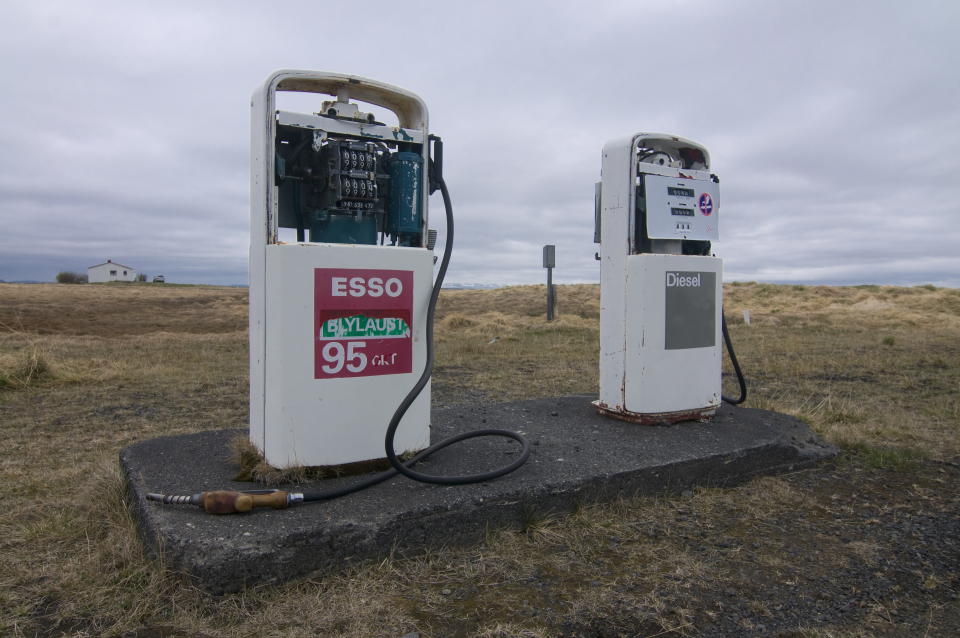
{"x": 641, "y": 380}
{"x": 293, "y": 420}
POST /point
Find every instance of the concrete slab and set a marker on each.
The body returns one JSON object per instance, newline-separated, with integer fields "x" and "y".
{"x": 578, "y": 457}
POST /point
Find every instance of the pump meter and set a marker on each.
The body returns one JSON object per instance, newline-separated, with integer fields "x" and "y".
{"x": 656, "y": 213}
{"x": 337, "y": 317}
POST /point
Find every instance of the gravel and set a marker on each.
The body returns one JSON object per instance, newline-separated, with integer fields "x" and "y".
{"x": 876, "y": 553}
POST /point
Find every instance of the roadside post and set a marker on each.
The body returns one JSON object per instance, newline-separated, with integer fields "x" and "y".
{"x": 549, "y": 261}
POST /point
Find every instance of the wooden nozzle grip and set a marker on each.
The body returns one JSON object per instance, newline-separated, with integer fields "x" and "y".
{"x": 230, "y": 502}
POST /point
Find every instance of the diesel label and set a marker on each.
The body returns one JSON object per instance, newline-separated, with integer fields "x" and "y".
{"x": 683, "y": 280}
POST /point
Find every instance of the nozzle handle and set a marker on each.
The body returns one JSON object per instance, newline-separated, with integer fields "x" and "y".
{"x": 232, "y": 502}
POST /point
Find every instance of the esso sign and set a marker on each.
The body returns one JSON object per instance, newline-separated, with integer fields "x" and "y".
{"x": 365, "y": 287}
{"x": 363, "y": 322}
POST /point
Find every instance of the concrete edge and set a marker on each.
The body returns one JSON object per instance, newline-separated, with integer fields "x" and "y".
{"x": 216, "y": 569}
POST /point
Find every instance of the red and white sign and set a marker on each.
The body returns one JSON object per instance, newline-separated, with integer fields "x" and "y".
{"x": 363, "y": 322}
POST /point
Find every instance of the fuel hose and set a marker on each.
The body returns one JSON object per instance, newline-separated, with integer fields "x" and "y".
{"x": 406, "y": 467}
{"x": 736, "y": 365}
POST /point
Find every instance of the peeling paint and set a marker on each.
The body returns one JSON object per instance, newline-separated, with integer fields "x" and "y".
{"x": 367, "y": 132}
{"x": 400, "y": 134}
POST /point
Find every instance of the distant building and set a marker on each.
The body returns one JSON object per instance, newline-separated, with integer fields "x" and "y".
{"x": 110, "y": 271}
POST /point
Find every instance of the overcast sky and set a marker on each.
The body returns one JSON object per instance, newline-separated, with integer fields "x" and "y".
{"x": 834, "y": 127}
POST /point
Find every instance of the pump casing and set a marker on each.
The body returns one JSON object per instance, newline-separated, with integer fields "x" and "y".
{"x": 660, "y": 291}
{"x": 337, "y": 319}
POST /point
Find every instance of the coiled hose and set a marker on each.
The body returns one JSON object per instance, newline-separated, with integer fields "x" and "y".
{"x": 405, "y": 467}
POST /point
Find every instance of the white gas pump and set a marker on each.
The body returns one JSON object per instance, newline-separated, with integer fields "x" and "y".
{"x": 338, "y": 317}
{"x": 341, "y": 326}
{"x": 657, "y": 208}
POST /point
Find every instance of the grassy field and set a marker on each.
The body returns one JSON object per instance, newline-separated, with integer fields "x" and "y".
{"x": 88, "y": 369}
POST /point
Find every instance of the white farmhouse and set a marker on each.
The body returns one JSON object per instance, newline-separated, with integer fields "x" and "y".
{"x": 110, "y": 271}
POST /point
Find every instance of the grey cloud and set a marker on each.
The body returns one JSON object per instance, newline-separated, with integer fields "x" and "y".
{"x": 833, "y": 127}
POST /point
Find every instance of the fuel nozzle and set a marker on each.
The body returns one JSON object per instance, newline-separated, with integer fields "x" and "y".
{"x": 230, "y": 501}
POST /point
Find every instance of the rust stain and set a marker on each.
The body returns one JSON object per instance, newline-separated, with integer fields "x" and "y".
{"x": 657, "y": 418}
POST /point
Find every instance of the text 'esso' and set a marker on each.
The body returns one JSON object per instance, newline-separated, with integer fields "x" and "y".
{"x": 362, "y": 287}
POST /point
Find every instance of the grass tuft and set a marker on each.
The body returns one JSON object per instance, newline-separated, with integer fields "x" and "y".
{"x": 457, "y": 321}
{"x": 24, "y": 369}
{"x": 254, "y": 468}
{"x": 885, "y": 457}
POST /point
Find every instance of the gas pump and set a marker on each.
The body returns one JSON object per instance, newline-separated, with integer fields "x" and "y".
{"x": 337, "y": 318}
{"x": 341, "y": 320}
{"x": 657, "y": 210}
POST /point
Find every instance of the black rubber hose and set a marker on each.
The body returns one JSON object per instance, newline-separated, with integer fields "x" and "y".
{"x": 425, "y": 377}
{"x": 736, "y": 365}
{"x": 400, "y": 467}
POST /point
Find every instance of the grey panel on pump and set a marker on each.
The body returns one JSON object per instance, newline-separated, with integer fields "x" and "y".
{"x": 690, "y": 309}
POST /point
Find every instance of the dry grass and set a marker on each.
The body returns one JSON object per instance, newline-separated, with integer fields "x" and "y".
{"x": 86, "y": 370}
{"x": 122, "y": 309}
{"x": 581, "y": 300}
{"x": 24, "y": 366}
{"x": 869, "y": 366}
{"x": 498, "y": 341}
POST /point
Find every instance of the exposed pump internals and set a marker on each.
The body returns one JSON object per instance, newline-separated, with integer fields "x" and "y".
{"x": 657, "y": 210}
{"x": 338, "y": 316}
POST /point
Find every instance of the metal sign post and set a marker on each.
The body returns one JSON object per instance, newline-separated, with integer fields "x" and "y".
{"x": 549, "y": 261}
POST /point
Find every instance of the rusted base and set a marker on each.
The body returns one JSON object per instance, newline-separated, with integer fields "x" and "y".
{"x": 253, "y": 467}
{"x": 657, "y": 418}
